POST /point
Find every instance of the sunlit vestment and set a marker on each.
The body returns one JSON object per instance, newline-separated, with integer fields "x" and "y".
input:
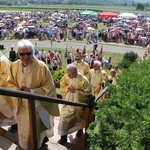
{"x": 83, "y": 67}
{"x": 96, "y": 78}
{"x": 113, "y": 79}
{"x": 7, "y": 104}
{"x": 37, "y": 77}
{"x": 72, "y": 115}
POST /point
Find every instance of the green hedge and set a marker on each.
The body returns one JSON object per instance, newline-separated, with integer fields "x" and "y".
{"x": 59, "y": 74}
{"x": 128, "y": 59}
{"x": 123, "y": 120}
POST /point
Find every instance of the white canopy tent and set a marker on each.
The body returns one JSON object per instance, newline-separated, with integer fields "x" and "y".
{"x": 127, "y": 15}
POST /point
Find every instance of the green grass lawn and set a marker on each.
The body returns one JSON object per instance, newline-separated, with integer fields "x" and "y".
{"x": 79, "y": 8}
{"x": 116, "y": 58}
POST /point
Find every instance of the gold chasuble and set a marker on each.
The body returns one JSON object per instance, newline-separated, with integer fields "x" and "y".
{"x": 7, "y": 104}
{"x": 72, "y": 115}
{"x": 38, "y": 78}
{"x": 96, "y": 78}
{"x": 83, "y": 67}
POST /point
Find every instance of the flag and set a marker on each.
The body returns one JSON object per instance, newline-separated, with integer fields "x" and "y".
{"x": 84, "y": 50}
{"x": 51, "y": 45}
{"x": 93, "y": 51}
{"x": 71, "y": 50}
{"x": 66, "y": 51}
{"x": 100, "y": 57}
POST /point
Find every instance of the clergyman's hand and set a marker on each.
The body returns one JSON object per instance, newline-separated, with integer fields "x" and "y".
{"x": 71, "y": 89}
{"x": 24, "y": 88}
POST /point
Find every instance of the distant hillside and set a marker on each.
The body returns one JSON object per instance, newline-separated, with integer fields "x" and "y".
{"x": 72, "y": 2}
{"x": 143, "y": 1}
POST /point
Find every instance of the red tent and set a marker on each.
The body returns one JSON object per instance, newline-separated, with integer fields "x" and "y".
{"x": 106, "y": 15}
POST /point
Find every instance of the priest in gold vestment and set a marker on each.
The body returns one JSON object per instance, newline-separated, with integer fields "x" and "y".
{"x": 82, "y": 66}
{"x": 74, "y": 87}
{"x": 112, "y": 77}
{"x": 32, "y": 75}
{"x": 97, "y": 77}
{"x": 7, "y": 104}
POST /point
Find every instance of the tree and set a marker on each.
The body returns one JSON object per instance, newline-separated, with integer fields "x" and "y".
{"x": 140, "y": 6}
{"x": 125, "y": 4}
{"x": 128, "y": 59}
{"x": 133, "y": 4}
{"x": 147, "y": 4}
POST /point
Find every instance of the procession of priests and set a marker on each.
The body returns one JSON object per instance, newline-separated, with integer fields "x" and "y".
{"x": 29, "y": 74}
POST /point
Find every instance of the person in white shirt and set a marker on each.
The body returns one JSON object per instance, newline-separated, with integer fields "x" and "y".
{"x": 43, "y": 56}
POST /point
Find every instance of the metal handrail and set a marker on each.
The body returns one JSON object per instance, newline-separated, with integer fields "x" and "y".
{"x": 31, "y": 101}
{"x": 32, "y": 96}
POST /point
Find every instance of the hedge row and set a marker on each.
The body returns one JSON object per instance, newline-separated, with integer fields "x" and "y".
{"x": 123, "y": 120}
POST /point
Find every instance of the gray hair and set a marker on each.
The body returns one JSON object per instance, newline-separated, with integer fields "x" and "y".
{"x": 25, "y": 43}
{"x": 98, "y": 63}
{"x": 71, "y": 67}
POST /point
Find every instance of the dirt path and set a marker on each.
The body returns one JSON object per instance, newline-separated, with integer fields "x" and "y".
{"x": 107, "y": 47}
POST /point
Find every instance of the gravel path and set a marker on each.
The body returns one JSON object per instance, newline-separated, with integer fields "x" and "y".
{"x": 107, "y": 47}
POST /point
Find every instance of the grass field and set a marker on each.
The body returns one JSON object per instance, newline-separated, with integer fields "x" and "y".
{"x": 116, "y": 58}
{"x": 79, "y": 8}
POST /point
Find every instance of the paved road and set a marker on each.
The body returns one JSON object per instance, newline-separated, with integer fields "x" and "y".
{"x": 107, "y": 47}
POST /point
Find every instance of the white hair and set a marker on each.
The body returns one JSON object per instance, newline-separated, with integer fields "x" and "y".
{"x": 71, "y": 67}
{"x": 98, "y": 63}
{"x": 25, "y": 43}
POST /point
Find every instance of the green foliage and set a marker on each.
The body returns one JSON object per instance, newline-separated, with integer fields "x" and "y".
{"x": 71, "y": 2}
{"x": 123, "y": 119}
{"x": 128, "y": 59}
{"x": 59, "y": 74}
{"x": 9, "y": 4}
{"x": 140, "y": 6}
{"x": 130, "y": 56}
{"x": 16, "y": 5}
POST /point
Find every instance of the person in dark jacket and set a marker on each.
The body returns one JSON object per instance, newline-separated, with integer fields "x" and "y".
{"x": 12, "y": 54}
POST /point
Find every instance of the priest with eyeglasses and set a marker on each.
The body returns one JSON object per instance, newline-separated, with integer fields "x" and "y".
{"x": 32, "y": 75}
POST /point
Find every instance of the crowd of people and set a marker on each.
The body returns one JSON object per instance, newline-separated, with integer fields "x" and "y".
{"x": 61, "y": 26}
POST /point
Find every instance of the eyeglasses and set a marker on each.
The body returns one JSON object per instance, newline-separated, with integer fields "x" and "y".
{"x": 94, "y": 65}
{"x": 23, "y": 54}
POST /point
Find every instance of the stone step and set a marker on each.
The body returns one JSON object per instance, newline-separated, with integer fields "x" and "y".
{"x": 8, "y": 145}
{"x": 73, "y": 142}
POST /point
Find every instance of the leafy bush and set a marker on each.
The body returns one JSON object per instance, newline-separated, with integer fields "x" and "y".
{"x": 128, "y": 59}
{"x": 123, "y": 119}
{"x": 59, "y": 74}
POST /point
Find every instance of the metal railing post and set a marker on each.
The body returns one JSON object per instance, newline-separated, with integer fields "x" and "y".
{"x": 32, "y": 124}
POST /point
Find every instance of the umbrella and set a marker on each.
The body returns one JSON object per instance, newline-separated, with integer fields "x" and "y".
{"x": 16, "y": 18}
{"x": 126, "y": 30}
{"x": 2, "y": 25}
{"x": 69, "y": 27}
{"x": 31, "y": 26}
{"x": 25, "y": 29}
{"x": 114, "y": 30}
{"x": 58, "y": 21}
{"x": 23, "y": 22}
{"x": 8, "y": 19}
{"x": 3, "y": 20}
{"x": 139, "y": 29}
{"x": 7, "y": 16}
{"x": 91, "y": 29}
{"x": 18, "y": 28}
{"x": 59, "y": 18}
{"x": 105, "y": 32}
